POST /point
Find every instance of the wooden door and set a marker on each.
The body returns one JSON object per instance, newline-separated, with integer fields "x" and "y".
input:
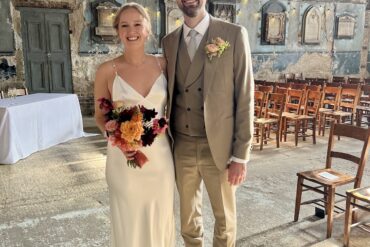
{"x": 46, "y": 48}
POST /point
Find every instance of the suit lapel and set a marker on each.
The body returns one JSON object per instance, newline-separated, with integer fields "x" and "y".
{"x": 196, "y": 67}
{"x": 172, "y": 60}
{"x": 210, "y": 66}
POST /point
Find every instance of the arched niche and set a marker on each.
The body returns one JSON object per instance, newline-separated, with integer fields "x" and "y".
{"x": 311, "y": 26}
{"x": 273, "y": 23}
{"x": 345, "y": 26}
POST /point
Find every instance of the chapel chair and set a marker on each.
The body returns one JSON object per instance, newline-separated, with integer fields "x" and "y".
{"x": 271, "y": 117}
{"x": 346, "y": 110}
{"x": 357, "y": 199}
{"x": 325, "y": 181}
{"x": 307, "y": 120}
{"x": 363, "y": 107}
{"x": 259, "y": 103}
{"x": 329, "y": 103}
{"x": 2, "y": 96}
{"x": 292, "y": 109}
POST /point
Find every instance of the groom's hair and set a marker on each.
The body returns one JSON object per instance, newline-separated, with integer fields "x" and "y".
{"x": 139, "y": 8}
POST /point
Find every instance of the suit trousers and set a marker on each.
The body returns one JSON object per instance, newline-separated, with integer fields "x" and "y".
{"x": 195, "y": 167}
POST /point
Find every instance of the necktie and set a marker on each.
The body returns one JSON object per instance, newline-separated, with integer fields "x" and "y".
{"x": 192, "y": 46}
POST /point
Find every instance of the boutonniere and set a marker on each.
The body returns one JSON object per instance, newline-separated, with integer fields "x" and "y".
{"x": 216, "y": 48}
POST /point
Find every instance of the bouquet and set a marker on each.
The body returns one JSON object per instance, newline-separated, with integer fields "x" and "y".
{"x": 130, "y": 128}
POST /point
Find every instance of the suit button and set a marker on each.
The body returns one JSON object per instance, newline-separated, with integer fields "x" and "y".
{"x": 202, "y": 108}
{"x": 188, "y": 109}
{"x": 186, "y": 90}
{"x": 199, "y": 89}
{"x": 186, "y": 126}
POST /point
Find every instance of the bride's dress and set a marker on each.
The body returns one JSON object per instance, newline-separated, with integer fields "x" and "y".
{"x": 141, "y": 200}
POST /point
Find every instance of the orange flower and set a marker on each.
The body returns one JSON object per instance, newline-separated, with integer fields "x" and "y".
{"x": 137, "y": 117}
{"x": 131, "y": 130}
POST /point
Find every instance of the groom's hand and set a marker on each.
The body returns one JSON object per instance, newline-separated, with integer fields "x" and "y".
{"x": 236, "y": 173}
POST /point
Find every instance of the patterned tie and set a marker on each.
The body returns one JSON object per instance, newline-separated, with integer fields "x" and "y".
{"x": 192, "y": 47}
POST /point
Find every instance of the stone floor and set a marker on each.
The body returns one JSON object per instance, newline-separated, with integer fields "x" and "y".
{"x": 58, "y": 197}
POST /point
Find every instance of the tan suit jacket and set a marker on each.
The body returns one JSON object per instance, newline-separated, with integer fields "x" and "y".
{"x": 228, "y": 90}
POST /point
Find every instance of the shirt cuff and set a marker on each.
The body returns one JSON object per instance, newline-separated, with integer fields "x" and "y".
{"x": 238, "y": 160}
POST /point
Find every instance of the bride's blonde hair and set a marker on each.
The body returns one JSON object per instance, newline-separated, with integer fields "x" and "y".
{"x": 139, "y": 8}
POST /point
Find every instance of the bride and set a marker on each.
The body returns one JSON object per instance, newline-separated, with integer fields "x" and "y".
{"x": 141, "y": 200}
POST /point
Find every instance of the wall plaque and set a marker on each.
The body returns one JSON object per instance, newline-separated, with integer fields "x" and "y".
{"x": 346, "y": 27}
{"x": 275, "y": 27}
{"x": 224, "y": 11}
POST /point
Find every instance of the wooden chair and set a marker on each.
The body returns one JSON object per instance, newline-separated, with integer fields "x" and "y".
{"x": 354, "y": 80}
{"x": 348, "y": 101}
{"x": 313, "y": 87}
{"x": 299, "y": 86}
{"x": 363, "y": 107}
{"x": 292, "y": 110}
{"x": 329, "y": 103}
{"x": 339, "y": 79}
{"x": 327, "y": 187}
{"x": 356, "y": 199}
{"x": 307, "y": 120}
{"x": 259, "y": 103}
{"x": 272, "y": 116}
{"x": 266, "y": 89}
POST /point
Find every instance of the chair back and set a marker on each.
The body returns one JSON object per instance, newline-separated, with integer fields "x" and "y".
{"x": 300, "y": 86}
{"x": 331, "y": 97}
{"x": 349, "y": 98}
{"x": 281, "y": 90}
{"x": 312, "y": 103}
{"x": 2, "y": 96}
{"x": 266, "y": 89}
{"x": 275, "y": 105}
{"x": 294, "y": 100}
{"x": 353, "y": 132}
{"x": 339, "y": 79}
{"x": 354, "y": 80}
{"x": 313, "y": 87}
{"x": 259, "y": 103}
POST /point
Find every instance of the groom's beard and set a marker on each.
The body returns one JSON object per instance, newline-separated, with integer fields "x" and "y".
{"x": 190, "y": 10}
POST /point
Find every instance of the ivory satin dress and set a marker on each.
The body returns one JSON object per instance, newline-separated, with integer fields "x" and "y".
{"x": 141, "y": 200}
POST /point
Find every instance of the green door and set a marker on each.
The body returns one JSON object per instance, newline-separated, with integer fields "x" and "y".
{"x": 46, "y": 48}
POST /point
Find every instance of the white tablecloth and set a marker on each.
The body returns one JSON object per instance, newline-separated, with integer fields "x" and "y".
{"x": 35, "y": 122}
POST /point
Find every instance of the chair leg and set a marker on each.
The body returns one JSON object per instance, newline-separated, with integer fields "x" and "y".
{"x": 330, "y": 211}
{"x": 298, "y": 198}
{"x": 314, "y": 130}
{"x": 347, "y": 222}
{"x": 262, "y": 132}
{"x": 296, "y": 130}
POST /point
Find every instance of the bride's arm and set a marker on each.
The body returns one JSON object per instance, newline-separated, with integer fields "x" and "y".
{"x": 101, "y": 90}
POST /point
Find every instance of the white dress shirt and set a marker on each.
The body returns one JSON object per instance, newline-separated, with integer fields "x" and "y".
{"x": 201, "y": 29}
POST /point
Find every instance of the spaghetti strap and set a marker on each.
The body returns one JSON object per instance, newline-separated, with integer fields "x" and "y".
{"x": 114, "y": 67}
{"x": 159, "y": 64}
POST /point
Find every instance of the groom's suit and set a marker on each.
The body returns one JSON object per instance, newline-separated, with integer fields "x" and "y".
{"x": 211, "y": 114}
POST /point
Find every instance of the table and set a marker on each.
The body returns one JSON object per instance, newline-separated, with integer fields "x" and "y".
{"x": 35, "y": 122}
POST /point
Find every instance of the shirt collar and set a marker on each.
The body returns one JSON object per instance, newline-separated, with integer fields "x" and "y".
{"x": 201, "y": 28}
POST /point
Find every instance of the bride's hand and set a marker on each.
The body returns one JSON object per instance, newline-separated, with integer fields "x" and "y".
{"x": 129, "y": 154}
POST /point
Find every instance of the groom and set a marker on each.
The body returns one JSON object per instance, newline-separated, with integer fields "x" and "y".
{"x": 211, "y": 113}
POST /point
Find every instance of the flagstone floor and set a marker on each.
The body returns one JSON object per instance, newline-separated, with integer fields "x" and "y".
{"x": 58, "y": 197}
